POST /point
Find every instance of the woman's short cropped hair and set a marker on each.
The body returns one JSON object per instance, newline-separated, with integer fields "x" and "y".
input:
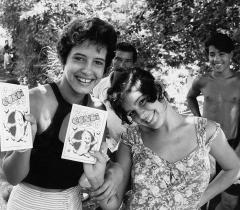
{"x": 94, "y": 30}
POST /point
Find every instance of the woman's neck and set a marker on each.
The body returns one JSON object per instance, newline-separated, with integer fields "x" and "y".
{"x": 69, "y": 94}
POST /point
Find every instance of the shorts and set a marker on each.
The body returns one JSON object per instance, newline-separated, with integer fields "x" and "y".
{"x": 23, "y": 197}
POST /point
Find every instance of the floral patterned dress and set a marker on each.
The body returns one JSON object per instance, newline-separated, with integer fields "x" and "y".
{"x": 159, "y": 184}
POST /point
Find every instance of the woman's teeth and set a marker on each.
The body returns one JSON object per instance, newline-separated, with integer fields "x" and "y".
{"x": 84, "y": 80}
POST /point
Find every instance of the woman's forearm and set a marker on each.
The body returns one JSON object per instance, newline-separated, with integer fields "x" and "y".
{"x": 221, "y": 182}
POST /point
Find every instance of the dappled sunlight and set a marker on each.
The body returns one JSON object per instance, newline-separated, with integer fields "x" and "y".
{"x": 3, "y": 36}
{"x": 177, "y": 82}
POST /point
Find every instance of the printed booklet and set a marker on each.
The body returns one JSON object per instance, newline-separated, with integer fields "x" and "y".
{"x": 84, "y": 133}
{"x": 15, "y": 132}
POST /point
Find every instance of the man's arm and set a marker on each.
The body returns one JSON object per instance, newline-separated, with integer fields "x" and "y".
{"x": 192, "y": 95}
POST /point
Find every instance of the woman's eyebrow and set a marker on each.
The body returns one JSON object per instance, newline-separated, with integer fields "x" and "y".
{"x": 77, "y": 53}
{"x": 80, "y": 54}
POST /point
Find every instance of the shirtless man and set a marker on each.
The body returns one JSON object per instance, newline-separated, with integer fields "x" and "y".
{"x": 221, "y": 92}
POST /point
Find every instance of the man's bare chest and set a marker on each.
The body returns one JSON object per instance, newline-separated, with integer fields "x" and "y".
{"x": 222, "y": 92}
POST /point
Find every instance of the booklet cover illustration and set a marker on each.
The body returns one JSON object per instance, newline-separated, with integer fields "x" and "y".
{"x": 15, "y": 131}
{"x": 84, "y": 133}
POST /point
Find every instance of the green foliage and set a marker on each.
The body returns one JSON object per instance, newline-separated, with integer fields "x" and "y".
{"x": 169, "y": 34}
{"x": 35, "y": 26}
{"x": 178, "y": 27}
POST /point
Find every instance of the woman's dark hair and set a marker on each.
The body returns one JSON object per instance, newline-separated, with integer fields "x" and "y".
{"x": 94, "y": 30}
{"x": 124, "y": 81}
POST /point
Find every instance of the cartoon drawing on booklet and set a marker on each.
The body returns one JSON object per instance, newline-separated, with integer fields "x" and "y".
{"x": 83, "y": 141}
{"x": 16, "y": 126}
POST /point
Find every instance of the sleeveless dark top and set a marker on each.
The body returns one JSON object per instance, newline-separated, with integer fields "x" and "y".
{"x": 47, "y": 169}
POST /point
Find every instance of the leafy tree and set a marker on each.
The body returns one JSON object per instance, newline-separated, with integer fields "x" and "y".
{"x": 35, "y": 26}
{"x": 168, "y": 34}
{"x": 179, "y": 27}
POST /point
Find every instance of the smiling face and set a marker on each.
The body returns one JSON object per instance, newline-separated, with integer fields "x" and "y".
{"x": 147, "y": 114}
{"x": 85, "y": 66}
{"x": 219, "y": 60}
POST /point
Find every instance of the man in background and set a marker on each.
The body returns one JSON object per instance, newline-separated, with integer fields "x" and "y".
{"x": 221, "y": 91}
{"x": 125, "y": 57}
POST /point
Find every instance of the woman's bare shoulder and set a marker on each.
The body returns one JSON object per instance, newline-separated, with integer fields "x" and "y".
{"x": 212, "y": 129}
{"x": 41, "y": 97}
